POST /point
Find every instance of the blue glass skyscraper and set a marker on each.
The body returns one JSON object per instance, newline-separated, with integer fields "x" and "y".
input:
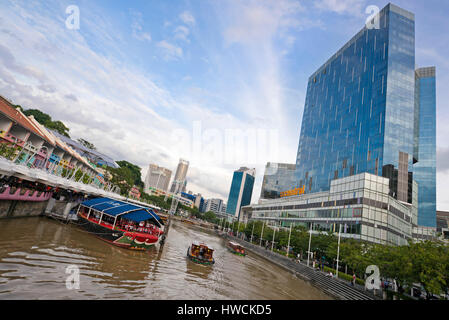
{"x": 424, "y": 171}
{"x": 359, "y": 114}
{"x": 241, "y": 190}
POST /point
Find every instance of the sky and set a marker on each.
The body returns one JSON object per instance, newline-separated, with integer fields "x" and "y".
{"x": 219, "y": 83}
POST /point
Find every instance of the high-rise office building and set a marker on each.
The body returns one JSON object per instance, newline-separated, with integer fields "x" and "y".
{"x": 360, "y": 114}
{"x": 278, "y": 177}
{"x": 179, "y": 182}
{"x": 424, "y": 171}
{"x": 241, "y": 190}
{"x": 366, "y": 151}
{"x": 157, "y": 177}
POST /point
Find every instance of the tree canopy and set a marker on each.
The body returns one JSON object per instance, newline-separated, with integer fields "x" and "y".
{"x": 45, "y": 120}
{"x": 87, "y": 144}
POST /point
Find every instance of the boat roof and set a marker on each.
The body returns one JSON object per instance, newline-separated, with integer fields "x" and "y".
{"x": 127, "y": 210}
{"x": 196, "y": 243}
{"x": 235, "y": 244}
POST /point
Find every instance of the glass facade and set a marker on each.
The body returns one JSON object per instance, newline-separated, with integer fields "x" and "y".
{"x": 241, "y": 190}
{"x": 234, "y": 193}
{"x": 359, "y": 109}
{"x": 278, "y": 177}
{"x": 425, "y": 168}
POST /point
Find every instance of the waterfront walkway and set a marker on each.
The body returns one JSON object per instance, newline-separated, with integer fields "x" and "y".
{"x": 336, "y": 288}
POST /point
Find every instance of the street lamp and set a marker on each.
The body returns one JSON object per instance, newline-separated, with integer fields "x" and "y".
{"x": 261, "y": 234}
{"x": 289, "y": 235}
{"x": 310, "y": 240}
{"x": 338, "y": 249}
{"x": 252, "y": 232}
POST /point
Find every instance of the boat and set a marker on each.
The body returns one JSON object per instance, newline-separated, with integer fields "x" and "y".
{"x": 236, "y": 248}
{"x": 121, "y": 223}
{"x": 201, "y": 253}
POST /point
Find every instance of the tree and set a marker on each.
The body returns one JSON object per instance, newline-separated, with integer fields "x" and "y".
{"x": 428, "y": 267}
{"x": 38, "y": 115}
{"x": 58, "y": 126}
{"x": 134, "y": 171}
{"x": 87, "y": 144}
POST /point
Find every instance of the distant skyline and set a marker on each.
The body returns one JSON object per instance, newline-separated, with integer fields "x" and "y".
{"x": 138, "y": 76}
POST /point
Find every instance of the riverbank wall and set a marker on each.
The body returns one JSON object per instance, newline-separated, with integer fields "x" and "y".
{"x": 22, "y": 209}
{"x": 336, "y": 288}
{"x": 16, "y": 208}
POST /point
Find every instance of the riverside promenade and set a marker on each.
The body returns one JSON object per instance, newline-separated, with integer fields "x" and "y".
{"x": 334, "y": 287}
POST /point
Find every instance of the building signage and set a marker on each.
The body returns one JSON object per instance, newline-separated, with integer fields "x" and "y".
{"x": 294, "y": 192}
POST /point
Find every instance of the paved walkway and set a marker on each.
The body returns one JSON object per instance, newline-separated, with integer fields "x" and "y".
{"x": 337, "y": 288}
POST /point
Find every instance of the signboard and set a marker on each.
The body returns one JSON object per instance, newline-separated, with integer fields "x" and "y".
{"x": 294, "y": 192}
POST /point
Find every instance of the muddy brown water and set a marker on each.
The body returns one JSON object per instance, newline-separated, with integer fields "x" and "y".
{"x": 35, "y": 254}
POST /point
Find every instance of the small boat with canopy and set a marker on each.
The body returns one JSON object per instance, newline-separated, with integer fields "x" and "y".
{"x": 201, "y": 253}
{"x": 121, "y": 223}
{"x": 236, "y": 248}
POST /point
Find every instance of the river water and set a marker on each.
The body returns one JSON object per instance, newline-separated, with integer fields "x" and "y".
{"x": 35, "y": 254}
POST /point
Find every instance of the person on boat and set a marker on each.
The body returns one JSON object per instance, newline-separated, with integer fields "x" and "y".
{"x": 201, "y": 252}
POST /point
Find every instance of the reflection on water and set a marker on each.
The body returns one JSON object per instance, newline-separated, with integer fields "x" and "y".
{"x": 35, "y": 252}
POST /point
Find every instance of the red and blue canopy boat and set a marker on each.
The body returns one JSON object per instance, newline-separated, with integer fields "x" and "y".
{"x": 121, "y": 223}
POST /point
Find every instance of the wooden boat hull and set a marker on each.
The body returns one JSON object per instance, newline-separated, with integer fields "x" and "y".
{"x": 119, "y": 238}
{"x": 199, "y": 260}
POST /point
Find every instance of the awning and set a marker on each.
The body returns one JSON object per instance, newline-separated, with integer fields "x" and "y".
{"x": 129, "y": 211}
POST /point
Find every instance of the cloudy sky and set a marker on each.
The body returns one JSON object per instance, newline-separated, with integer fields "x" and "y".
{"x": 219, "y": 83}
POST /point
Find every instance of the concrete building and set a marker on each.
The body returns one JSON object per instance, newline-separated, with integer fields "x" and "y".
{"x": 214, "y": 205}
{"x": 157, "y": 177}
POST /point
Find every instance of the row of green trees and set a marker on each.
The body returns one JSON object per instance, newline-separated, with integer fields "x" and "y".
{"x": 426, "y": 263}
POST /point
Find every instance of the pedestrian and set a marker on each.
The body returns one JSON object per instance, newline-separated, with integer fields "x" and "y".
{"x": 353, "y": 279}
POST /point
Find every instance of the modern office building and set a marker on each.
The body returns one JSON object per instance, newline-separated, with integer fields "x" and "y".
{"x": 157, "y": 177}
{"x": 360, "y": 204}
{"x": 424, "y": 171}
{"x": 360, "y": 114}
{"x": 214, "y": 205}
{"x": 368, "y": 116}
{"x": 179, "y": 182}
{"x": 278, "y": 177}
{"x": 241, "y": 190}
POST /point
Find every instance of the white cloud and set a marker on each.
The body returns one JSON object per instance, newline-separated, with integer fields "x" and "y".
{"x": 170, "y": 51}
{"x": 351, "y": 7}
{"x": 137, "y": 27}
{"x": 182, "y": 33}
{"x": 187, "y": 18}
